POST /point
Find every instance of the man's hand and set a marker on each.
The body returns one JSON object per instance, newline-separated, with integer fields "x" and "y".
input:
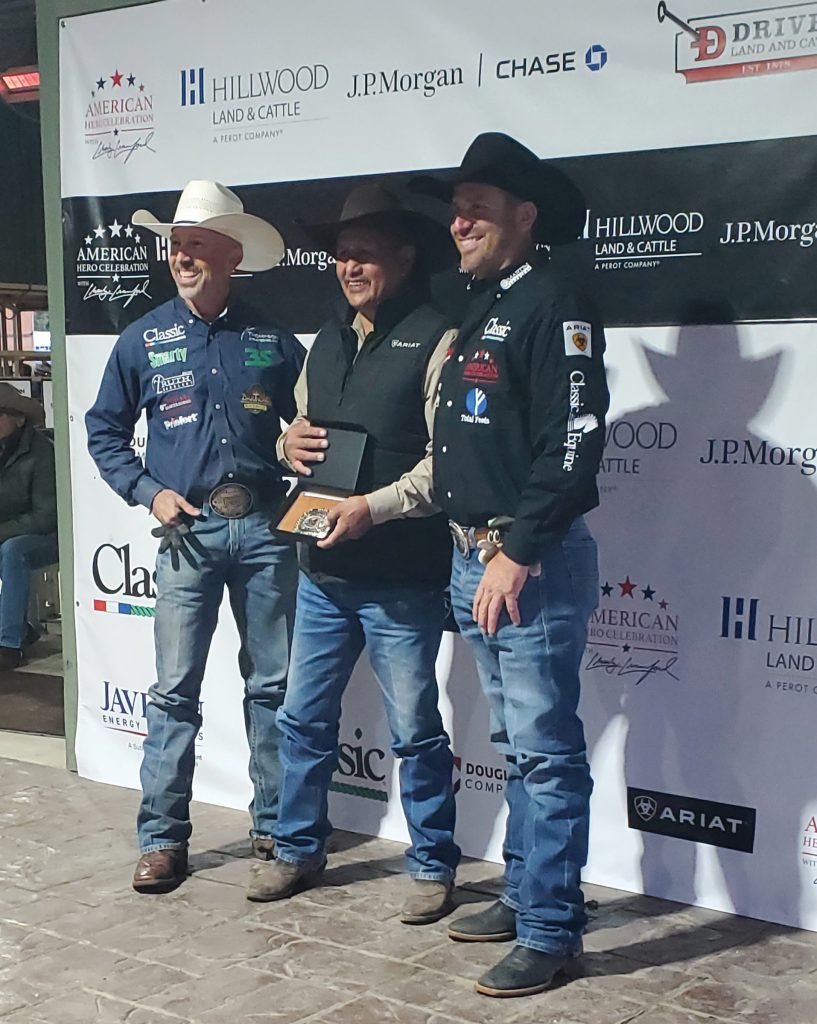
{"x": 349, "y": 520}
{"x": 304, "y": 443}
{"x": 499, "y": 588}
{"x": 167, "y": 506}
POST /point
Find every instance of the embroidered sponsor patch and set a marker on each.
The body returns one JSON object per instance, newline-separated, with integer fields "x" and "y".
{"x": 256, "y": 400}
{"x": 476, "y": 402}
{"x": 256, "y": 335}
{"x": 176, "y": 402}
{"x": 397, "y": 343}
{"x": 180, "y": 381}
{"x": 172, "y": 355}
{"x": 154, "y": 336}
{"x": 495, "y": 330}
{"x": 259, "y": 358}
{"x": 181, "y": 421}
{"x": 481, "y": 368}
{"x": 578, "y": 338}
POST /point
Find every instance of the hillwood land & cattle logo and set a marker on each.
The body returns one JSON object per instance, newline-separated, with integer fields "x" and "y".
{"x": 633, "y": 634}
{"x": 112, "y": 264}
{"x": 119, "y": 118}
{"x": 729, "y": 826}
{"x": 787, "y": 643}
{"x": 765, "y": 41}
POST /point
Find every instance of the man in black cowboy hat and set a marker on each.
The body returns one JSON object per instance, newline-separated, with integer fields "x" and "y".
{"x": 28, "y": 514}
{"x": 378, "y": 578}
{"x": 518, "y": 437}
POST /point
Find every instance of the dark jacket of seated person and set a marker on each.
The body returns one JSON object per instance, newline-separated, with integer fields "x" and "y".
{"x": 28, "y": 515}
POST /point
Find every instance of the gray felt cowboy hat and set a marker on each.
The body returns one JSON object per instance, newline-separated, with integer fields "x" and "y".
{"x": 12, "y": 401}
{"x": 377, "y": 206}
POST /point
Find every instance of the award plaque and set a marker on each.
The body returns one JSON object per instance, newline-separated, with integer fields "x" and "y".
{"x": 303, "y": 516}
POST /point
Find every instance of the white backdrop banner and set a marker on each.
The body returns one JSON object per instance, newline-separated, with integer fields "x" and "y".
{"x": 688, "y": 131}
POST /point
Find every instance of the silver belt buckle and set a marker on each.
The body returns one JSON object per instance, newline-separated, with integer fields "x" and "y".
{"x": 460, "y": 536}
{"x": 231, "y": 501}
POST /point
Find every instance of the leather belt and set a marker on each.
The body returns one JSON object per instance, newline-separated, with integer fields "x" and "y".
{"x": 231, "y": 501}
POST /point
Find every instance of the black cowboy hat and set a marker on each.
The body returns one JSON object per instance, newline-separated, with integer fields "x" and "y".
{"x": 496, "y": 159}
{"x": 376, "y": 206}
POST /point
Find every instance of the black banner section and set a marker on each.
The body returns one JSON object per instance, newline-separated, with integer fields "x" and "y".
{"x": 700, "y": 821}
{"x": 709, "y": 234}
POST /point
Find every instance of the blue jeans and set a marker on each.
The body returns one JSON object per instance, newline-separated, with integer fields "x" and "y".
{"x": 19, "y": 556}
{"x": 260, "y": 574}
{"x": 530, "y": 675}
{"x": 402, "y": 627}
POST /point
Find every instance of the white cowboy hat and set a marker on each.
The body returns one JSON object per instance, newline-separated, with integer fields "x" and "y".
{"x": 210, "y": 205}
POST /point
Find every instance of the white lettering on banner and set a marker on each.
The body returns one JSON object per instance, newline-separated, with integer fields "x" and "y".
{"x": 752, "y": 232}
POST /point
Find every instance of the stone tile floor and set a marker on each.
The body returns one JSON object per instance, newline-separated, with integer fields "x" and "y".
{"x": 78, "y": 946}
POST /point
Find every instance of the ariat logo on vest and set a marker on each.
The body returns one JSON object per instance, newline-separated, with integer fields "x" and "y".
{"x": 396, "y": 343}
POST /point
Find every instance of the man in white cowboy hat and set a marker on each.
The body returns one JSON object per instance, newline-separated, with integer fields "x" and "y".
{"x": 377, "y": 579}
{"x": 214, "y": 383}
{"x": 28, "y": 514}
{"x": 518, "y": 438}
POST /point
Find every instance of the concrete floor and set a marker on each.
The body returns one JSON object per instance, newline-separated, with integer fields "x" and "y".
{"x": 77, "y": 945}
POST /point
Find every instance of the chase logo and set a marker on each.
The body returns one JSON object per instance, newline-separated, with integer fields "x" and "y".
{"x": 596, "y": 57}
{"x": 192, "y": 86}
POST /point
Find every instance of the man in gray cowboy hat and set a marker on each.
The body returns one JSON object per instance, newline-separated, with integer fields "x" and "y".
{"x": 28, "y": 514}
{"x": 214, "y": 383}
{"x": 378, "y": 578}
{"x": 518, "y": 438}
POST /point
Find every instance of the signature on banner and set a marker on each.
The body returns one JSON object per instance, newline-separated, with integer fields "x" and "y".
{"x": 117, "y": 293}
{"x": 124, "y": 150}
{"x": 628, "y": 667}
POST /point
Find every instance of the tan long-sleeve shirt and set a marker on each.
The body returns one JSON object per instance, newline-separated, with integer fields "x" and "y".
{"x": 411, "y": 495}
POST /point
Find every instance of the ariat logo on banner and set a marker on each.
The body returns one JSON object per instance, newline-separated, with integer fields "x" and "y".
{"x": 729, "y": 826}
{"x": 745, "y": 44}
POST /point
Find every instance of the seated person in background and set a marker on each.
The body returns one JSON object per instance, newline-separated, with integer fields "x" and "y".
{"x": 28, "y": 514}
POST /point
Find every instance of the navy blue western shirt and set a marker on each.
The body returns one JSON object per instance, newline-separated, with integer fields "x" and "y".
{"x": 213, "y": 395}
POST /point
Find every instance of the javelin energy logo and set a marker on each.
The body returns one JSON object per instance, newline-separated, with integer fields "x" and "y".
{"x": 744, "y": 44}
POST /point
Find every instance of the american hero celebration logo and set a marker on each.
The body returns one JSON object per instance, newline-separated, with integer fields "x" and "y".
{"x": 112, "y": 264}
{"x": 119, "y": 121}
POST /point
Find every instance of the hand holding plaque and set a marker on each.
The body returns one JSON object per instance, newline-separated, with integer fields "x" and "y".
{"x": 332, "y": 457}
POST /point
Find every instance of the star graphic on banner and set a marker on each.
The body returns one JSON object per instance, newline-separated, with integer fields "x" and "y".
{"x": 93, "y": 93}
{"x": 116, "y": 229}
{"x": 131, "y": 80}
{"x": 100, "y": 83}
{"x": 115, "y": 132}
{"x": 116, "y": 277}
{"x": 627, "y": 587}
{"x": 88, "y": 239}
{"x": 625, "y": 648}
{"x": 99, "y": 231}
{"x": 116, "y": 78}
{"x": 648, "y": 593}
{"x": 128, "y": 231}
{"x": 137, "y": 239}
{"x": 607, "y": 590}
{"x": 663, "y": 605}
{"x": 141, "y": 88}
